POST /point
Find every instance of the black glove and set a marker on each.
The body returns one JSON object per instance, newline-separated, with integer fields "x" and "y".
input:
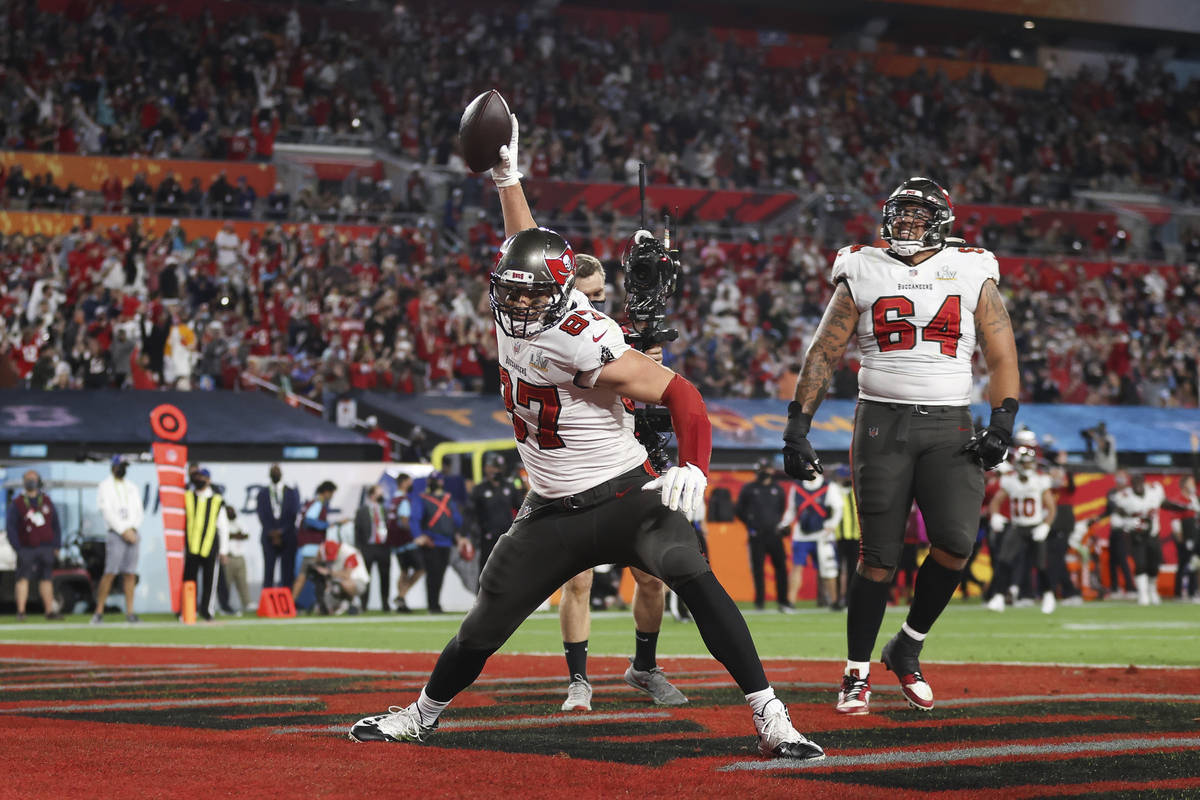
{"x": 990, "y": 446}
{"x": 799, "y": 458}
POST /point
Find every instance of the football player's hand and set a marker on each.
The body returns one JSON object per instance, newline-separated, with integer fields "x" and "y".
{"x": 997, "y": 521}
{"x": 990, "y": 447}
{"x": 799, "y": 458}
{"x": 508, "y": 172}
{"x": 682, "y": 490}
{"x": 1040, "y": 532}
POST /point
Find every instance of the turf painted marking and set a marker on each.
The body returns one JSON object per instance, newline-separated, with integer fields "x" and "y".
{"x": 521, "y": 722}
{"x": 898, "y": 757}
{"x": 141, "y": 704}
{"x": 1128, "y": 626}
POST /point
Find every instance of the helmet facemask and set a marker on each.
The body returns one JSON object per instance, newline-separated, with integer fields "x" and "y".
{"x": 916, "y": 201}
{"x": 526, "y": 309}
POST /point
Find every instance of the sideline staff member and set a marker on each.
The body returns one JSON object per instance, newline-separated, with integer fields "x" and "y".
{"x": 120, "y": 503}
{"x": 206, "y": 531}
{"x": 35, "y": 533}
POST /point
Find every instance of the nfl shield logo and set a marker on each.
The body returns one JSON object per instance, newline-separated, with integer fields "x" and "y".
{"x": 872, "y": 431}
{"x": 912, "y": 272}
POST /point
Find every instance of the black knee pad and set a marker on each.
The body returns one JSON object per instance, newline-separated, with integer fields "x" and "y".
{"x": 681, "y": 564}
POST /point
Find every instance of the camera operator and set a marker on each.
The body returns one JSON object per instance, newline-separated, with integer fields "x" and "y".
{"x": 1101, "y": 447}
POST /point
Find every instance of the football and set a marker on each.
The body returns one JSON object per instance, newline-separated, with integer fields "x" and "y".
{"x": 486, "y": 124}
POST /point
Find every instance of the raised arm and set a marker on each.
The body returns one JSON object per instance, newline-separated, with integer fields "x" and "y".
{"x": 507, "y": 177}
{"x": 517, "y": 216}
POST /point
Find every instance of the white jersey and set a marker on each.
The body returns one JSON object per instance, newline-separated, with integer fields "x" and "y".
{"x": 916, "y": 325}
{"x": 571, "y": 435}
{"x": 1134, "y": 512}
{"x": 1025, "y": 506}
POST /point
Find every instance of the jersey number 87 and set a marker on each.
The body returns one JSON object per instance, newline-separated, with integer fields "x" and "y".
{"x": 549, "y": 407}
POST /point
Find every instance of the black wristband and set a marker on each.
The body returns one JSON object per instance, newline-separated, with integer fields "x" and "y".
{"x": 1004, "y": 416}
{"x": 798, "y": 423}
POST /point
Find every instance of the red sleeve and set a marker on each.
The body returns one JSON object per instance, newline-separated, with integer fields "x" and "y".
{"x": 689, "y": 418}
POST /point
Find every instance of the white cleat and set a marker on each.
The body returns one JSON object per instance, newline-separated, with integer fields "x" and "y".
{"x": 996, "y": 603}
{"x": 398, "y": 725}
{"x": 778, "y": 739}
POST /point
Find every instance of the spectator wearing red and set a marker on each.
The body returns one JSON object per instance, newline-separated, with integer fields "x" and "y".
{"x": 264, "y": 134}
{"x": 378, "y": 435}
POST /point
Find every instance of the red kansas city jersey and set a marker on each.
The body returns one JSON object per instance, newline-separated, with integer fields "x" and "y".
{"x": 916, "y": 325}
{"x": 571, "y": 435}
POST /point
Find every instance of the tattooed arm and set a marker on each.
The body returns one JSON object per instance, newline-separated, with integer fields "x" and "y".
{"x": 993, "y": 331}
{"x": 828, "y": 345}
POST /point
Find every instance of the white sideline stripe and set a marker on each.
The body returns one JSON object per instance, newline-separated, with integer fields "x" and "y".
{"x": 893, "y": 758}
{"x": 524, "y": 722}
{"x": 210, "y": 701}
{"x": 1128, "y": 626}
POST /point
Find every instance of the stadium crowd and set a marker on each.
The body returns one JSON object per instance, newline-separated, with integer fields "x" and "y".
{"x": 698, "y": 107}
{"x": 324, "y": 315}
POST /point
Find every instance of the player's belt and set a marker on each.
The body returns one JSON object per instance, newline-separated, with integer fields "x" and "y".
{"x": 588, "y": 497}
{"x": 906, "y": 411}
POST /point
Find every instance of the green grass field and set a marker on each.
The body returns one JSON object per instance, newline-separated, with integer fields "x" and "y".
{"x": 1110, "y": 633}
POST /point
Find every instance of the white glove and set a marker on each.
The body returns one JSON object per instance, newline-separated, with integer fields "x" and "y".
{"x": 998, "y": 522}
{"x": 682, "y": 490}
{"x": 1040, "y": 532}
{"x": 507, "y": 172}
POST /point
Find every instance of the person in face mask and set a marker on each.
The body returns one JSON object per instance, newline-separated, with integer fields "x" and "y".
{"x": 206, "y": 537}
{"x": 278, "y": 506}
{"x": 120, "y": 504}
{"x": 35, "y": 533}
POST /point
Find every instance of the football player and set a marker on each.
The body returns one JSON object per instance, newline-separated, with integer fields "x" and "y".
{"x": 564, "y": 370}
{"x": 918, "y": 307}
{"x": 1027, "y": 493}
{"x": 1135, "y": 509}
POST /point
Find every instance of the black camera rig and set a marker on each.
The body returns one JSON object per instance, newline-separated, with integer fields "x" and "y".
{"x": 651, "y": 269}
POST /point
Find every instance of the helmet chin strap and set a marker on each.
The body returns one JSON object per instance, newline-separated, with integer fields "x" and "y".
{"x": 909, "y": 247}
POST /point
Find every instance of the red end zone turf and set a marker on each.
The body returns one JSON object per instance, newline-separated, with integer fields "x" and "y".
{"x": 188, "y": 722}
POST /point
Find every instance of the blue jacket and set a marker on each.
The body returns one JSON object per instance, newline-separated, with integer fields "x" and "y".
{"x": 431, "y": 520}
{"x": 289, "y": 509}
